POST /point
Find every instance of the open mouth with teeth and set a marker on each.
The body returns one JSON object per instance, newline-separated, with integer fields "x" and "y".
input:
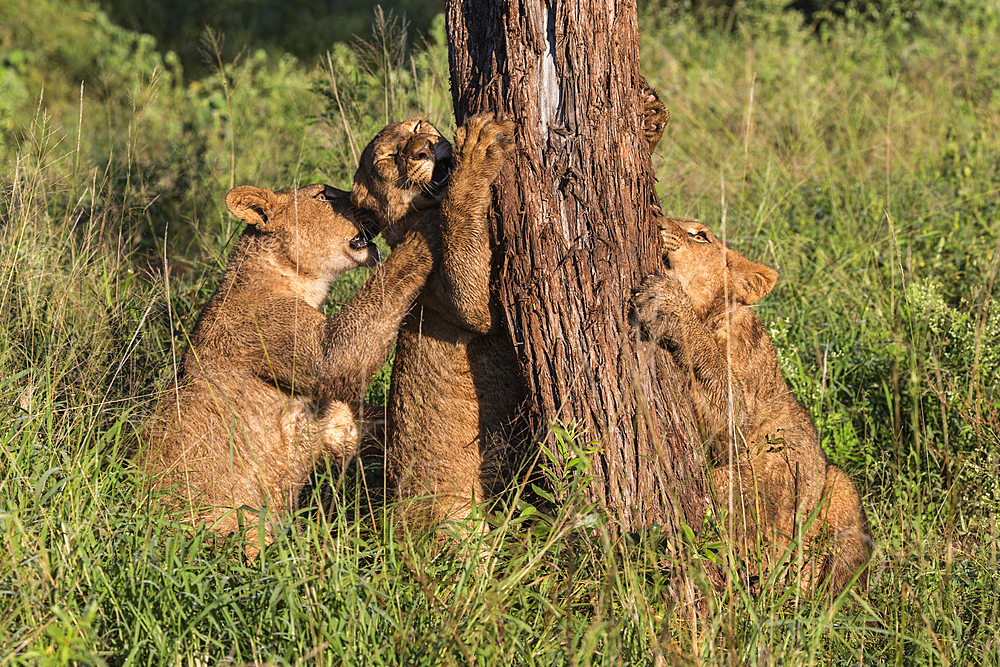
{"x": 360, "y": 242}
{"x": 439, "y": 177}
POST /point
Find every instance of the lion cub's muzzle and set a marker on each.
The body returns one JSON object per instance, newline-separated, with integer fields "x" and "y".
{"x": 671, "y": 243}
{"x": 427, "y": 162}
{"x": 439, "y": 177}
{"x": 361, "y": 242}
{"x": 671, "y": 238}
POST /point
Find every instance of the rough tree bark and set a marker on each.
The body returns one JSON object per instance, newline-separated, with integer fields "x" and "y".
{"x": 575, "y": 234}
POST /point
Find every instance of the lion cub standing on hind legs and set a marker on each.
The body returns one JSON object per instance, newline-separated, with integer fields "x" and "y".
{"x": 262, "y": 392}
{"x": 455, "y": 382}
{"x": 774, "y": 468}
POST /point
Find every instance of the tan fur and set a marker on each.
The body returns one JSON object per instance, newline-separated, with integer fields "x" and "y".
{"x": 262, "y": 391}
{"x": 654, "y": 115}
{"x": 763, "y": 446}
{"x": 455, "y": 386}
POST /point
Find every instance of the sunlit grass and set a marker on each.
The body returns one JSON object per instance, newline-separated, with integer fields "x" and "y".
{"x": 861, "y": 164}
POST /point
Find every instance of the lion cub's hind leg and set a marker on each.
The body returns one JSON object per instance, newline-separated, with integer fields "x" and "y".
{"x": 312, "y": 437}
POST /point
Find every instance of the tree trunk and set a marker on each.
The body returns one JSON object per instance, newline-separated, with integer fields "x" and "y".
{"x": 574, "y": 236}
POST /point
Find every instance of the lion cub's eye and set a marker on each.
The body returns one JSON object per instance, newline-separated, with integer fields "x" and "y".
{"x": 321, "y": 196}
{"x": 700, "y": 237}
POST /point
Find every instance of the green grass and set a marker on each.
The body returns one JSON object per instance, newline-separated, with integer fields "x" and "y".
{"x": 862, "y": 162}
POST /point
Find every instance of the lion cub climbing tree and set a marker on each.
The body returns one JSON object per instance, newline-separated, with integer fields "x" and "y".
{"x": 575, "y": 234}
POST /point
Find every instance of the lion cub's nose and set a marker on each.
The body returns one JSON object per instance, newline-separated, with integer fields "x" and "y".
{"x": 421, "y": 148}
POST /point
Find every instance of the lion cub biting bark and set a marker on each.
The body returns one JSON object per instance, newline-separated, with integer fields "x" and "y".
{"x": 455, "y": 381}
{"x": 262, "y": 391}
{"x": 762, "y": 445}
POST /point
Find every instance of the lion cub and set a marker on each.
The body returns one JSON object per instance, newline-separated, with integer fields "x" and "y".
{"x": 455, "y": 382}
{"x": 763, "y": 446}
{"x": 261, "y": 394}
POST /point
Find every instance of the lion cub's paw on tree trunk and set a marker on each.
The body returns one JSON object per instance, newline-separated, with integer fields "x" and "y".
{"x": 456, "y": 388}
{"x": 262, "y": 393}
{"x": 762, "y": 444}
{"x": 654, "y": 115}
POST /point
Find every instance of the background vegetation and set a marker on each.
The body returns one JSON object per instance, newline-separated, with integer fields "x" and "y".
{"x": 854, "y": 147}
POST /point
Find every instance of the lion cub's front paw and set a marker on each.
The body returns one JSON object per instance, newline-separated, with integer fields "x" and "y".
{"x": 484, "y": 144}
{"x": 654, "y": 115}
{"x": 660, "y": 305}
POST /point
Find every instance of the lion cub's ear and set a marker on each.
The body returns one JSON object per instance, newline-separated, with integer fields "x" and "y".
{"x": 251, "y": 205}
{"x": 751, "y": 281}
